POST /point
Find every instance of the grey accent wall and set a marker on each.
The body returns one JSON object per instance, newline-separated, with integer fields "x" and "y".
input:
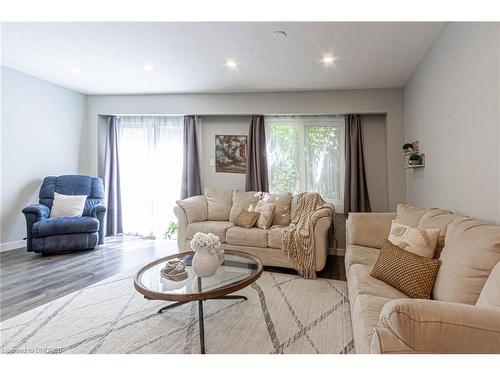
{"x": 381, "y": 101}
{"x": 43, "y": 133}
{"x": 452, "y": 106}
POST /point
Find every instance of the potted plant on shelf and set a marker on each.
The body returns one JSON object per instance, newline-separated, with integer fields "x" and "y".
{"x": 414, "y": 159}
{"x": 407, "y": 147}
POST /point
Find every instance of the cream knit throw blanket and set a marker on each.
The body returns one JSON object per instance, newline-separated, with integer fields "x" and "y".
{"x": 297, "y": 240}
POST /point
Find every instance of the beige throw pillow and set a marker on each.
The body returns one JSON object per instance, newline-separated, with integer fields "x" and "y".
{"x": 265, "y": 211}
{"x": 246, "y": 219}
{"x": 242, "y": 200}
{"x": 407, "y": 272}
{"x": 282, "y": 209}
{"x": 419, "y": 241}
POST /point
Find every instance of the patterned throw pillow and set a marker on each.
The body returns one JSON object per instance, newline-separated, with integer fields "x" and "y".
{"x": 246, "y": 219}
{"x": 419, "y": 241}
{"x": 412, "y": 274}
{"x": 266, "y": 211}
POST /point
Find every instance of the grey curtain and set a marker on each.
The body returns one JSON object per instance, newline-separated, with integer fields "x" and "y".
{"x": 355, "y": 190}
{"x": 256, "y": 178}
{"x": 191, "y": 181}
{"x": 112, "y": 180}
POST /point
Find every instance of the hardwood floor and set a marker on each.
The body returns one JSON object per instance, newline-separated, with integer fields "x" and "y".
{"x": 29, "y": 280}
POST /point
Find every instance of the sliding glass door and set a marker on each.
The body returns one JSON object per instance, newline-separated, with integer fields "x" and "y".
{"x": 150, "y": 149}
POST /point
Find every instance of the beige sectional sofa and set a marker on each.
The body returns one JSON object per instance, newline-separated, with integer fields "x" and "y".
{"x": 215, "y": 211}
{"x": 463, "y": 315}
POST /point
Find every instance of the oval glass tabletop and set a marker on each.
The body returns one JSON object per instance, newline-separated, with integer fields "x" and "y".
{"x": 236, "y": 272}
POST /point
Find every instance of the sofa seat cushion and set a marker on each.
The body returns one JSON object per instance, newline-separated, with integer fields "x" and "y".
{"x": 65, "y": 225}
{"x": 360, "y": 255}
{"x": 365, "y": 316}
{"x": 360, "y": 281}
{"x": 274, "y": 237}
{"x": 218, "y": 228}
{"x": 247, "y": 237}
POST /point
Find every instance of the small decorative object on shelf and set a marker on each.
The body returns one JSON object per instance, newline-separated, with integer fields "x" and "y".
{"x": 407, "y": 147}
{"x": 175, "y": 270}
{"x": 416, "y": 161}
{"x": 208, "y": 255}
{"x": 410, "y": 148}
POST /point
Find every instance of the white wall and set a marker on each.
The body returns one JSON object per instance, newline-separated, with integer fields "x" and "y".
{"x": 42, "y": 134}
{"x": 452, "y": 107}
{"x": 383, "y": 101}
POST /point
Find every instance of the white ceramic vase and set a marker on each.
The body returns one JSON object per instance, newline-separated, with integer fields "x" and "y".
{"x": 205, "y": 263}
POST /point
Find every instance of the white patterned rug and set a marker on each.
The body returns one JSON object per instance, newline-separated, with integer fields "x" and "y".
{"x": 283, "y": 314}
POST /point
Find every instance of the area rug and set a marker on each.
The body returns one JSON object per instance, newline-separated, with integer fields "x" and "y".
{"x": 283, "y": 314}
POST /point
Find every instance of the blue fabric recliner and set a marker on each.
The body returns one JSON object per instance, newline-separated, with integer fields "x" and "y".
{"x": 64, "y": 234}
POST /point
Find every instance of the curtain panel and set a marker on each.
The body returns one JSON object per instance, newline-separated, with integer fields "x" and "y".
{"x": 191, "y": 180}
{"x": 356, "y": 197}
{"x": 112, "y": 187}
{"x": 257, "y": 174}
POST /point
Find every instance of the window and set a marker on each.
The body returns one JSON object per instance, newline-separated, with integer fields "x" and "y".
{"x": 150, "y": 153}
{"x": 306, "y": 153}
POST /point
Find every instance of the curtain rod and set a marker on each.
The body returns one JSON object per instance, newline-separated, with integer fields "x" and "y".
{"x": 239, "y": 114}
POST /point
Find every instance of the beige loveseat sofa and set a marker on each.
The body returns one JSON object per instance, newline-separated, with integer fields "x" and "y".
{"x": 463, "y": 315}
{"x": 215, "y": 211}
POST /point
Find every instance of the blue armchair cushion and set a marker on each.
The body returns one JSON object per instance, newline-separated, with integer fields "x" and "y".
{"x": 65, "y": 225}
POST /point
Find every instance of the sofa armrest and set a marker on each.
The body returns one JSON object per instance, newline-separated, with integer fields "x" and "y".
{"x": 32, "y": 214}
{"x": 368, "y": 229}
{"x": 195, "y": 208}
{"x": 426, "y": 326}
{"x": 39, "y": 210}
{"x": 182, "y": 223}
{"x": 327, "y": 210}
{"x": 98, "y": 211}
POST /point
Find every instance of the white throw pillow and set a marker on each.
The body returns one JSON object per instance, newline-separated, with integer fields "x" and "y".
{"x": 419, "y": 241}
{"x": 266, "y": 211}
{"x": 68, "y": 205}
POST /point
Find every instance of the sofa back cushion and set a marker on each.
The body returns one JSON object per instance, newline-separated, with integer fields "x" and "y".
{"x": 242, "y": 200}
{"x": 438, "y": 218}
{"x": 409, "y": 215}
{"x": 282, "y": 210}
{"x": 195, "y": 208}
{"x": 471, "y": 250}
{"x": 490, "y": 295}
{"x": 219, "y": 202}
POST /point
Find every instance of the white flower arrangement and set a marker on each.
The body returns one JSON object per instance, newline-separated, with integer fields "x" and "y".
{"x": 206, "y": 241}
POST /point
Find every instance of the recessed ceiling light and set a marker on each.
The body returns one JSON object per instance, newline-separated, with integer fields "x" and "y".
{"x": 231, "y": 64}
{"x": 73, "y": 70}
{"x": 328, "y": 59}
{"x": 148, "y": 67}
{"x": 280, "y": 34}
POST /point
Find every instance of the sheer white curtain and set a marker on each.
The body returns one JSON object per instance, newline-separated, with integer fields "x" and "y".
{"x": 150, "y": 150}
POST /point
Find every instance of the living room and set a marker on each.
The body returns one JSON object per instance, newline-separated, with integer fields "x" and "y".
{"x": 272, "y": 187}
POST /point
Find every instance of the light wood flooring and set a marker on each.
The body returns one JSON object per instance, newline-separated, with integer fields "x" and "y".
{"x": 29, "y": 280}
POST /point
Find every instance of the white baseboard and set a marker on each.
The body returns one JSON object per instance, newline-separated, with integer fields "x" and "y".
{"x": 12, "y": 245}
{"x": 338, "y": 252}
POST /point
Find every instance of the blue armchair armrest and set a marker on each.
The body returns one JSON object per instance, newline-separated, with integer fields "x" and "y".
{"x": 34, "y": 213}
{"x": 39, "y": 210}
{"x": 98, "y": 212}
{"x": 97, "y": 209}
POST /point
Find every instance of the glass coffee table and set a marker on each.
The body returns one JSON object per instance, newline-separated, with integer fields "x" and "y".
{"x": 238, "y": 270}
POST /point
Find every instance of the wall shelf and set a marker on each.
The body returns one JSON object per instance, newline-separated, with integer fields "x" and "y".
{"x": 421, "y": 165}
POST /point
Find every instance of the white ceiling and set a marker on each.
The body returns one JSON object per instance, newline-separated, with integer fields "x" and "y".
{"x": 189, "y": 57}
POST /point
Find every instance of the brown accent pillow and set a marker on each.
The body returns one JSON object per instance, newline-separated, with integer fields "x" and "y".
{"x": 246, "y": 219}
{"x": 412, "y": 274}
